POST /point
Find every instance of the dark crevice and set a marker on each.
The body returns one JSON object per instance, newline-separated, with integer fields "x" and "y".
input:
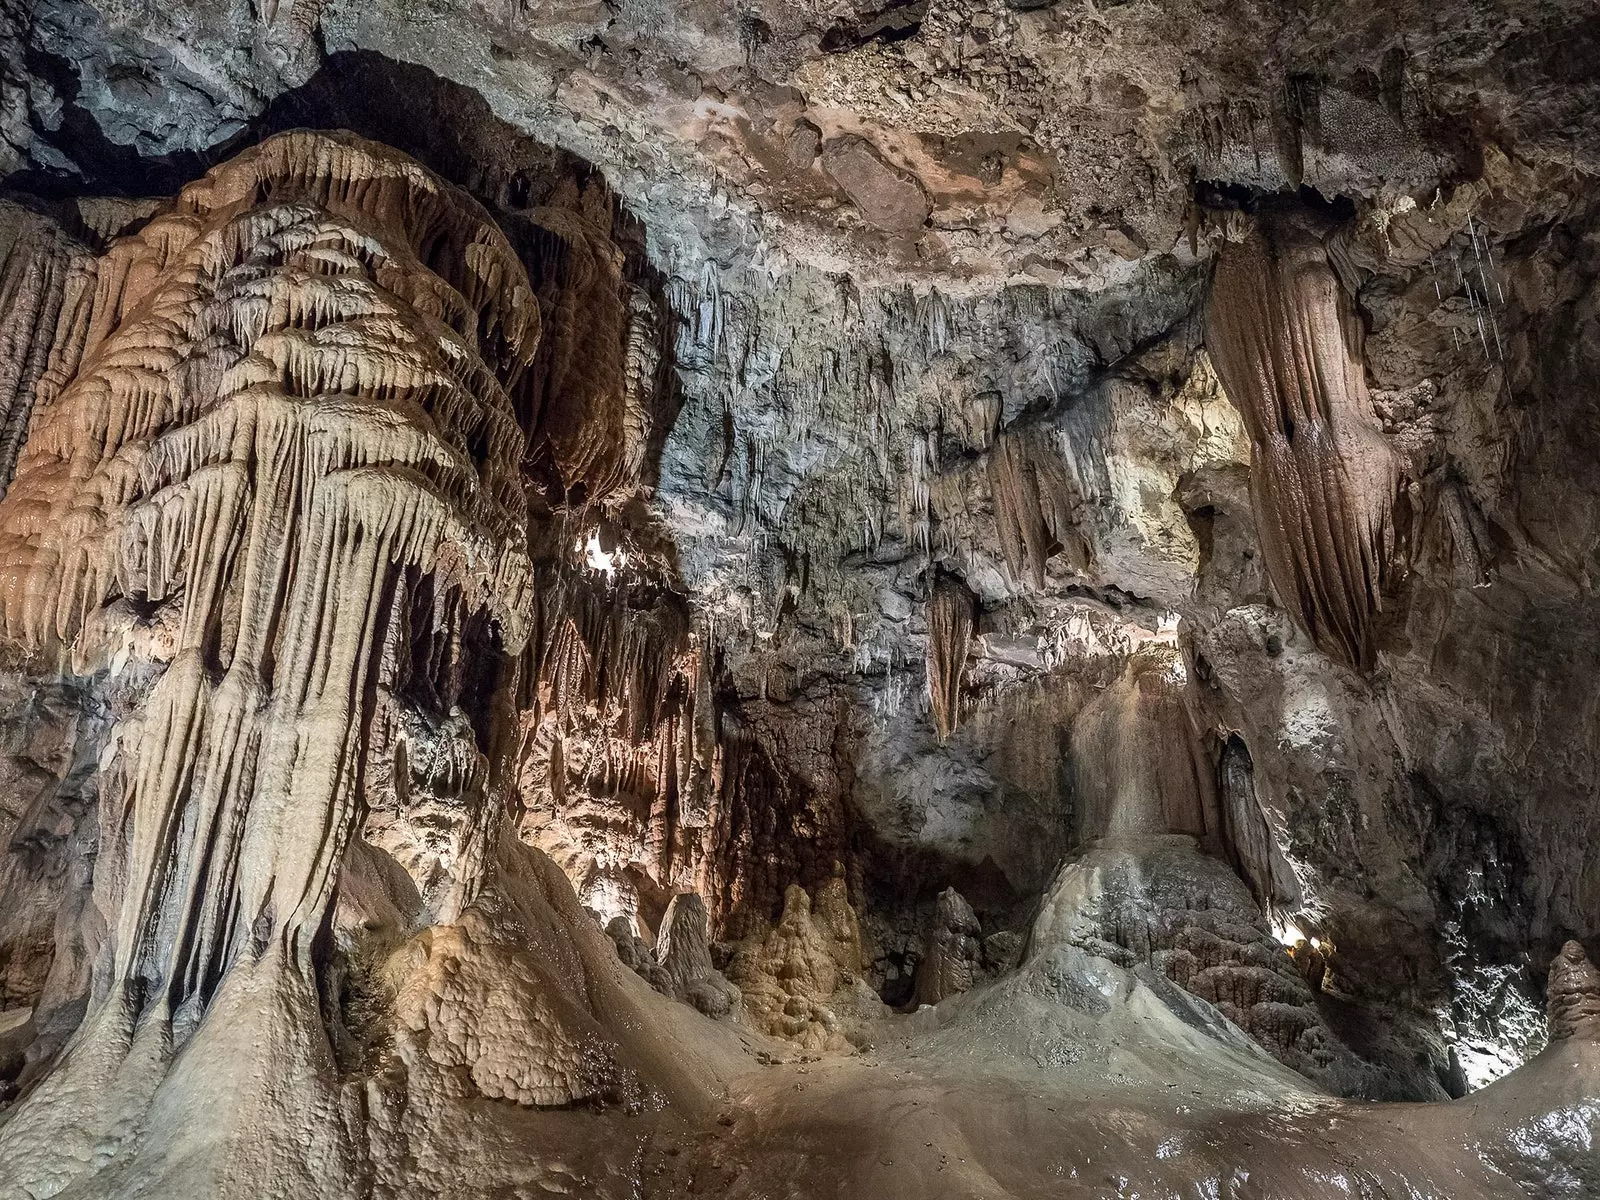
{"x": 893, "y": 24}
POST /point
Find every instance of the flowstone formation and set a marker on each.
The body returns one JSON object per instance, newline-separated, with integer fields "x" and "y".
{"x": 1287, "y": 345}
{"x": 285, "y": 459}
{"x": 650, "y": 600}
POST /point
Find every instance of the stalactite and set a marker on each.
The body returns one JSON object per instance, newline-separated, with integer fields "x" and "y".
{"x": 1287, "y": 346}
{"x": 641, "y": 361}
{"x": 951, "y": 610}
{"x": 609, "y": 752}
{"x": 1036, "y": 502}
{"x": 291, "y": 399}
{"x": 46, "y": 280}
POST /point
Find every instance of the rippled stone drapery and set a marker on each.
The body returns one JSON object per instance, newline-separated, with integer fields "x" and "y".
{"x": 291, "y": 404}
{"x": 951, "y": 610}
{"x": 1287, "y": 346}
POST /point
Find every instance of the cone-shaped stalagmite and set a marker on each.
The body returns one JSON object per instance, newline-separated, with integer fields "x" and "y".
{"x": 1573, "y": 994}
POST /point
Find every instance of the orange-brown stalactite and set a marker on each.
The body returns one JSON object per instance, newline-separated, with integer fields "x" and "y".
{"x": 951, "y": 612}
{"x": 1287, "y": 345}
{"x": 289, "y": 423}
{"x": 1036, "y": 504}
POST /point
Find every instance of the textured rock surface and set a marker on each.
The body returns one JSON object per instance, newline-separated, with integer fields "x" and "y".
{"x": 952, "y": 957}
{"x": 1574, "y": 993}
{"x": 802, "y": 979}
{"x": 744, "y": 480}
{"x": 1287, "y": 345}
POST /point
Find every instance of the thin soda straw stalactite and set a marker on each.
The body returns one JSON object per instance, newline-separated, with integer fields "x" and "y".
{"x": 1480, "y": 302}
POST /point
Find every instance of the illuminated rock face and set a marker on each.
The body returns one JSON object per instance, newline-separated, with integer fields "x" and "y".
{"x": 289, "y": 422}
{"x": 284, "y": 468}
{"x": 807, "y": 525}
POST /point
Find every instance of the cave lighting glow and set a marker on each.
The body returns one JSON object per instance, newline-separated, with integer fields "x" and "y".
{"x": 598, "y": 558}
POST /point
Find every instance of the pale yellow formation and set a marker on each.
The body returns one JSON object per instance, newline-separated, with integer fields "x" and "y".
{"x": 800, "y": 981}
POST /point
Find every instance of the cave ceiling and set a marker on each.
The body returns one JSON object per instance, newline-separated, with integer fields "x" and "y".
{"x": 646, "y": 599}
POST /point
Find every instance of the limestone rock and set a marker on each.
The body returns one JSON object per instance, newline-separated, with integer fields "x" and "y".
{"x": 1288, "y": 348}
{"x": 887, "y": 197}
{"x": 683, "y": 947}
{"x": 636, "y": 954}
{"x": 952, "y": 959}
{"x": 951, "y": 613}
{"x": 801, "y": 981}
{"x": 393, "y": 570}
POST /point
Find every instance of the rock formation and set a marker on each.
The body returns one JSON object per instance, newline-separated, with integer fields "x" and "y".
{"x": 952, "y": 958}
{"x": 284, "y": 461}
{"x": 950, "y": 622}
{"x": 684, "y": 950}
{"x": 1574, "y": 994}
{"x": 645, "y": 601}
{"x": 801, "y": 980}
{"x": 679, "y": 964}
{"x": 1288, "y": 347}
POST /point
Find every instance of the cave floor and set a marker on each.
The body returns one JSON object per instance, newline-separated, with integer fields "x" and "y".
{"x": 1133, "y": 1105}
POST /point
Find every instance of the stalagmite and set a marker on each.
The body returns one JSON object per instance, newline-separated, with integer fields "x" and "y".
{"x": 1574, "y": 994}
{"x": 952, "y": 953}
{"x": 1287, "y": 345}
{"x": 800, "y": 979}
{"x": 683, "y": 950}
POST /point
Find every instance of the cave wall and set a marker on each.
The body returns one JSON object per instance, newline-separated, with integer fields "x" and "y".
{"x": 787, "y": 503}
